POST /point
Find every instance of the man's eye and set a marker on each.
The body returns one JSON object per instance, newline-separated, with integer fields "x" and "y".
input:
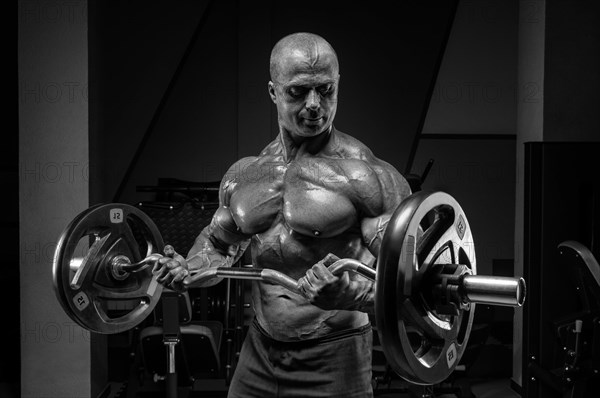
{"x": 297, "y": 92}
{"x": 325, "y": 90}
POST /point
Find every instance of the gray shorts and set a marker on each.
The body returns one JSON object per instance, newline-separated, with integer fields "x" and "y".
{"x": 336, "y": 365}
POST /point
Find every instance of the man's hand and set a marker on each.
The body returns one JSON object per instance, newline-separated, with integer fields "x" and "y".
{"x": 171, "y": 269}
{"x": 330, "y": 292}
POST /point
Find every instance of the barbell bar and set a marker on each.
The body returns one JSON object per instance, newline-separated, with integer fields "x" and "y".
{"x": 480, "y": 289}
{"x": 426, "y": 280}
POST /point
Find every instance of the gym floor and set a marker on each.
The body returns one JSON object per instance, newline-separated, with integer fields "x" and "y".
{"x": 481, "y": 388}
{"x": 499, "y": 388}
{"x": 492, "y": 388}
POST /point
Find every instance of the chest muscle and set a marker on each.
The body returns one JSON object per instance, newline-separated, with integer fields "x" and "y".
{"x": 312, "y": 204}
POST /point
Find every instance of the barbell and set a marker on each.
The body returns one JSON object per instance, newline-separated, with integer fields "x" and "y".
{"x": 426, "y": 280}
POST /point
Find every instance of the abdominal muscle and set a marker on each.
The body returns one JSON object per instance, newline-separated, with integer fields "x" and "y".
{"x": 288, "y": 316}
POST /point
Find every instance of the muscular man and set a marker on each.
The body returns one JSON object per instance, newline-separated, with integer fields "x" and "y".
{"x": 314, "y": 194}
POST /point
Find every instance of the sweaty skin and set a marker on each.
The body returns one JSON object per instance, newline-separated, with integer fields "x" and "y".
{"x": 312, "y": 192}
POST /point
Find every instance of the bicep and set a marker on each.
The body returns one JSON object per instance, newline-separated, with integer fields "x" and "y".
{"x": 223, "y": 231}
{"x": 373, "y": 229}
{"x": 393, "y": 189}
{"x": 221, "y": 235}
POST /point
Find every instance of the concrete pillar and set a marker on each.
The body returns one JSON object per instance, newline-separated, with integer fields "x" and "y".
{"x": 53, "y": 188}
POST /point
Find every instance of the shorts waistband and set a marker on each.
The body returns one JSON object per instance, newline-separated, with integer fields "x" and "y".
{"x": 328, "y": 338}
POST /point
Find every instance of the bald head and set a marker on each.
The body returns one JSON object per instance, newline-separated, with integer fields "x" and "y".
{"x": 309, "y": 47}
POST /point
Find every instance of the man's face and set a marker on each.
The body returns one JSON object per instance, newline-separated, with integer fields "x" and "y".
{"x": 305, "y": 93}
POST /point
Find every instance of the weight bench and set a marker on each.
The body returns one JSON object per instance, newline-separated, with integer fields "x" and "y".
{"x": 176, "y": 350}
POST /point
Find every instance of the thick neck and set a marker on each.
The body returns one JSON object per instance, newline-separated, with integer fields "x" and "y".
{"x": 294, "y": 145}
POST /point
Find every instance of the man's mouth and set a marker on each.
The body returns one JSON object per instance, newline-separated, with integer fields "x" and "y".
{"x": 313, "y": 120}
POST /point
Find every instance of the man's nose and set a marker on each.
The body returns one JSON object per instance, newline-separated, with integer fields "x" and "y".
{"x": 313, "y": 100}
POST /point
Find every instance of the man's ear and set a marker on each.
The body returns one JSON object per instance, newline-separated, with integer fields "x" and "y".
{"x": 272, "y": 94}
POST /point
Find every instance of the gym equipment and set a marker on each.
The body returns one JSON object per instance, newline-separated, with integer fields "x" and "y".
{"x": 576, "y": 371}
{"x": 426, "y": 279}
{"x": 556, "y": 212}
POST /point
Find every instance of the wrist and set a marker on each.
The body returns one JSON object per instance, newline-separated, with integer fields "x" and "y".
{"x": 197, "y": 261}
{"x": 204, "y": 259}
{"x": 365, "y": 298}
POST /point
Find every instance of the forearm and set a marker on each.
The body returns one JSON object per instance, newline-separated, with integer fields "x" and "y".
{"x": 218, "y": 245}
{"x": 364, "y": 299}
{"x": 207, "y": 252}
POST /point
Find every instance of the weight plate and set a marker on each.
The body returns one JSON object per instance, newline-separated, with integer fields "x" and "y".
{"x": 426, "y": 230}
{"x": 83, "y": 282}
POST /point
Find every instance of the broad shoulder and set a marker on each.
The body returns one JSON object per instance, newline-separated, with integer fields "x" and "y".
{"x": 232, "y": 177}
{"x": 273, "y": 148}
{"x": 237, "y": 169}
{"x": 355, "y": 153}
{"x": 368, "y": 173}
{"x": 345, "y": 146}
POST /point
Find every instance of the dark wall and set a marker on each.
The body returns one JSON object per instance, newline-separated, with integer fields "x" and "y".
{"x": 476, "y": 90}
{"x": 572, "y": 71}
{"x": 135, "y": 48}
